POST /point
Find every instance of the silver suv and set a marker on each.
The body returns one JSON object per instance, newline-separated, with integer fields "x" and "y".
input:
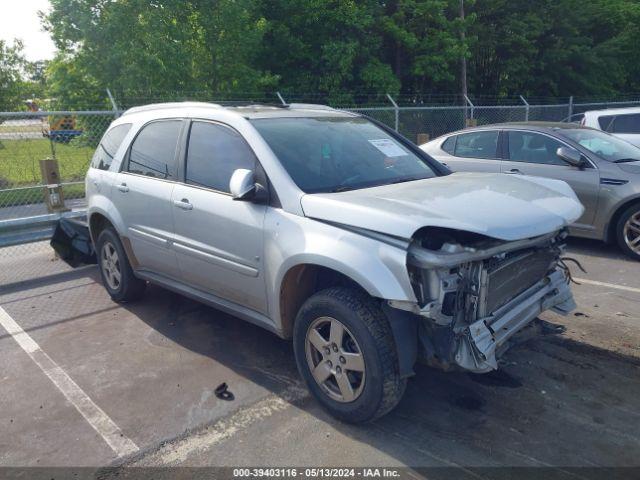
{"x": 328, "y": 228}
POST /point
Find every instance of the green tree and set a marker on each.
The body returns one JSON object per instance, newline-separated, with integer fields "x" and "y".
{"x": 12, "y": 64}
{"x": 338, "y": 47}
{"x": 553, "y": 47}
{"x": 325, "y": 46}
{"x": 160, "y": 46}
{"x": 228, "y": 45}
{"x": 71, "y": 86}
{"x": 423, "y": 43}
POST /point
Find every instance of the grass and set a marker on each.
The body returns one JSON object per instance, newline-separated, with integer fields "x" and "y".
{"x": 22, "y": 129}
{"x": 36, "y": 195}
{"x": 19, "y": 160}
{"x": 20, "y": 167}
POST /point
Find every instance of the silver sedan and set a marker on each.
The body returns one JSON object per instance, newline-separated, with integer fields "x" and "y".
{"x": 604, "y": 171}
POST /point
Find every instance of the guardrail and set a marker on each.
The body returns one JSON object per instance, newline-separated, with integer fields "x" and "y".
{"x": 32, "y": 229}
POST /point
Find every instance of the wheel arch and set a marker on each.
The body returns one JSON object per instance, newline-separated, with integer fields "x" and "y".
{"x": 300, "y": 282}
{"x": 98, "y": 220}
{"x": 303, "y": 280}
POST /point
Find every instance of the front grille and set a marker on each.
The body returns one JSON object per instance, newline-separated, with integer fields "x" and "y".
{"x": 513, "y": 275}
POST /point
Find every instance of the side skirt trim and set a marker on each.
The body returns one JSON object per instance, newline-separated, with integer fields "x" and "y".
{"x": 212, "y": 300}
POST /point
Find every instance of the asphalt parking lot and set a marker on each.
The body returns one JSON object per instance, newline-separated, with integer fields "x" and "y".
{"x": 87, "y": 382}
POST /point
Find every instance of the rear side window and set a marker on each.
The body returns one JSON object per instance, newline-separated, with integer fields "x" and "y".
{"x": 606, "y": 122}
{"x": 109, "y": 145}
{"x": 477, "y": 145}
{"x": 153, "y": 152}
{"x": 627, "y": 123}
{"x": 214, "y": 153}
{"x": 449, "y": 145}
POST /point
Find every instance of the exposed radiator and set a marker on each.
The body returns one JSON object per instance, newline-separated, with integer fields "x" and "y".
{"x": 504, "y": 279}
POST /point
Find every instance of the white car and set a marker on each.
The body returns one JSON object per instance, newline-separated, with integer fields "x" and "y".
{"x": 620, "y": 122}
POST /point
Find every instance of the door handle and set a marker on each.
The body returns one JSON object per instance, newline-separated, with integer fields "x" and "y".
{"x": 183, "y": 204}
{"x": 123, "y": 188}
{"x": 514, "y": 170}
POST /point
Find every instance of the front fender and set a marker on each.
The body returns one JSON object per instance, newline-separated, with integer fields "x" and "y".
{"x": 291, "y": 240}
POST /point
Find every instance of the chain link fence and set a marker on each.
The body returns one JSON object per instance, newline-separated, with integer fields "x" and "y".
{"x": 27, "y": 138}
{"x": 32, "y": 196}
{"x": 29, "y": 197}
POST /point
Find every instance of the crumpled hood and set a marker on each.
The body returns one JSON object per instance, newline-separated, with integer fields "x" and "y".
{"x": 506, "y": 207}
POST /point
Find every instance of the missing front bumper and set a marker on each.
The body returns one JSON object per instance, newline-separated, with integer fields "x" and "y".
{"x": 477, "y": 348}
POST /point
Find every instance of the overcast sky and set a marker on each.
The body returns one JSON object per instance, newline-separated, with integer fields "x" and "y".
{"x": 19, "y": 19}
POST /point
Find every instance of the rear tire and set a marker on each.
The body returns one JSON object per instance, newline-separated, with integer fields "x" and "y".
{"x": 342, "y": 336}
{"x": 628, "y": 232}
{"x": 115, "y": 270}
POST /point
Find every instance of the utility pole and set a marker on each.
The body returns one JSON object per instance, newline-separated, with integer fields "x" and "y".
{"x": 463, "y": 60}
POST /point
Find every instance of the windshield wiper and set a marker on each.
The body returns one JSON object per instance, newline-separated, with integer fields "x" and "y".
{"x": 626, "y": 160}
{"x": 342, "y": 188}
{"x": 406, "y": 179}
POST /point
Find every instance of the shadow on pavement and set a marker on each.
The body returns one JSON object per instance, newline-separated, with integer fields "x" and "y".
{"x": 555, "y": 401}
{"x": 595, "y": 248}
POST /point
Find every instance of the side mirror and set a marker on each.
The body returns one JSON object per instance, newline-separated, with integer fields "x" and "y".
{"x": 571, "y": 156}
{"x": 242, "y": 184}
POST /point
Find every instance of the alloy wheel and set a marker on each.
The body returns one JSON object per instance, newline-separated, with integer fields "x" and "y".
{"x": 335, "y": 359}
{"x": 631, "y": 233}
{"x": 110, "y": 263}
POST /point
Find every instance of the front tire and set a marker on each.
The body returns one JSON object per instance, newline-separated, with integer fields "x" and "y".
{"x": 345, "y": 352}
{"x": 628, "y": 232}
{"x": 116, "y": 272}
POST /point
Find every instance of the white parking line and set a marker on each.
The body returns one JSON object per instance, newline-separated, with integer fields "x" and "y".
{"x": 91, "y": 412}
{"x": 609, "y": 285}
{"x": 178, "y": 452}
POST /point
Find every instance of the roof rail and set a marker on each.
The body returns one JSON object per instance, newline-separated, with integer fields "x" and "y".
{"x": 161, "y": 106}
{"x": 309, "y": 106}
{"x": 252, "y": 105}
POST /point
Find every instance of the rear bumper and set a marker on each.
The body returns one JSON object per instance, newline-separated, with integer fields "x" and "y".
{"x": 477, "y": 349}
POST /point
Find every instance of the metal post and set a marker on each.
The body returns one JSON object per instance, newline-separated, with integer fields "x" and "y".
{"x": 570, "y": 107}
{"x": 281, "y": 99}
{"x": 463, "y": 60}
{"x": 114, "y": 105}
{"x": 397, "y": 112}
{"x": 470, "y": 104}
{"x": 526, "y": 108}
{"x": 53, "y": 194}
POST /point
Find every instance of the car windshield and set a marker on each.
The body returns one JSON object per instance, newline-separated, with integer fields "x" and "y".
{"x": 333, "y": 154}
{"x": 606, "y": 146}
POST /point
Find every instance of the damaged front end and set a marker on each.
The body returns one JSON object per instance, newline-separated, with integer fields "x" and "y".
{"x": 475, "y": 293}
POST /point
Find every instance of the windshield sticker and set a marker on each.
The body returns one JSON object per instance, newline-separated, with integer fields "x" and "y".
{"x": 326, "y": 151}
{"x": 388, "y": 147}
